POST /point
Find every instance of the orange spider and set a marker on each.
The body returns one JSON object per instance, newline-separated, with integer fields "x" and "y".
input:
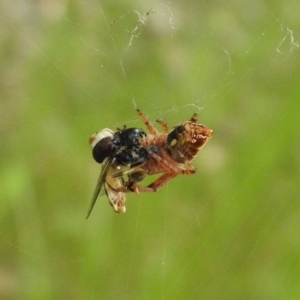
{"x": 175, "y": 151}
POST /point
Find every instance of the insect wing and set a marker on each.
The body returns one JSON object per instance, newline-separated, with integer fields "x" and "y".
{"x": 101, "y": 180}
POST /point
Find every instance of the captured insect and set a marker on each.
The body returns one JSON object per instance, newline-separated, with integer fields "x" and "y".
{"x": 129, "y": 155}
{"x": 117, "y": 151}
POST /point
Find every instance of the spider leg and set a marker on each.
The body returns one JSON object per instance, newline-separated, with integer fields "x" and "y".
{"x": 149, "y": 125}
{"x": 157, "y": 184}
{"x": 171, "y": 171}
{"x": 134, "y": 175}
{"x": 163, "y": 124}
{"x": 121, "y": 129}
{"x": 128, "y": 171}
{"x": 128, "y": 187}
{"x": 170, "y": 167}
{"x": 194, "y": 118}
{"x": 134, "y": 188}
{"x": 187, "y": 163}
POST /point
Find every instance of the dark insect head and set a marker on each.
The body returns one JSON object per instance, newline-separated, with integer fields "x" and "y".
{"x": 123, "y": 145}
{"x": 102, "y": 144}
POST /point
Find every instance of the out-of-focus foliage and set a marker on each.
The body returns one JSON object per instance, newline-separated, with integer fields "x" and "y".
{"x": 69, "y": 68}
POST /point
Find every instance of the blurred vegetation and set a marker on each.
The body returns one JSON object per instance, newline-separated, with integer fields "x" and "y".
{"x": 70, "y": 68}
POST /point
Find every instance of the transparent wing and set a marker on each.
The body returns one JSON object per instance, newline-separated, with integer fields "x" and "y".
{"x": 100, "y": 183}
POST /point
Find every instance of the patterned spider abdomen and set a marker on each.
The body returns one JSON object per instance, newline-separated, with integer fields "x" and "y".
{"x": 186, "y": 139}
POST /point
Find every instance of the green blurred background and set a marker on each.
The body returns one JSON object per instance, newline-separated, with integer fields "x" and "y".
{"x": 70, "y": 68}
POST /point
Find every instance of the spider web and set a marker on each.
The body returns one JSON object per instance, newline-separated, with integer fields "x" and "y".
{"x": 72, "y": 68}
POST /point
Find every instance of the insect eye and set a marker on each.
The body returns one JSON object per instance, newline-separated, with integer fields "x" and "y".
{"x": 103, "y": 149}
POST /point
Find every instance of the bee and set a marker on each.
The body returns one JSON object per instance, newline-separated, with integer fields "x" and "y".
{"x": 129, "y": 155}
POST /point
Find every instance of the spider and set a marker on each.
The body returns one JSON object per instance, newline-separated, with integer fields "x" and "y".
{"x": 129, "y": 155}
{"x": 175, "y": 151}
